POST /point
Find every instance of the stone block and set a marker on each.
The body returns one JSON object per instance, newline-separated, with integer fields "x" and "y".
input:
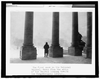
{"x": 88, "y": 52}
{"x": 71, "y": 51}
{"x": 28, "y": 53}
{"x": 78, "y": 51}
{"x": 74, "y": 51}
{"x": 56, "y": 52}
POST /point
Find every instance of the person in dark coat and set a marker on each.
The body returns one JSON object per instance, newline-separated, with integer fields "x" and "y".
{"x": 46, "y": 47}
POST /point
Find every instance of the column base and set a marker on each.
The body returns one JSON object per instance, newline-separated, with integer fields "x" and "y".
{"x": 88, "y": 52}
{"x": 28, "y": 53}
{"x": 55, "y": 51}
{"x": 74, "y": 51}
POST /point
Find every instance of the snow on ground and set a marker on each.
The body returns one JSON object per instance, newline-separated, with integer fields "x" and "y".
{"x": 15, "y": 58}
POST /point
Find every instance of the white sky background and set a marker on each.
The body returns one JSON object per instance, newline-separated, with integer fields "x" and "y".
{"x": 43, "y": 27}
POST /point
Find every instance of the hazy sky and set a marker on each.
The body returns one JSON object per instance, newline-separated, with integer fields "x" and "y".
{"x": 43, "y": 26}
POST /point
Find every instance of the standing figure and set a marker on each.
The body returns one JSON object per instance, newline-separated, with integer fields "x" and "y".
{"x": 46, "y": 47}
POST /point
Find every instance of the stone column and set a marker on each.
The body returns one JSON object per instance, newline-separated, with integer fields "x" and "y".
{"x": 55, "y": 50}
{"x": 88, "y": 48}
{"x": 74, "y": 29}
{"x": 74, "y": 49}
{"x": 28, "y": 51}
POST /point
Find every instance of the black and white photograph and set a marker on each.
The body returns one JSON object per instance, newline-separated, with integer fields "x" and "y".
{"x": 50, "y": 39}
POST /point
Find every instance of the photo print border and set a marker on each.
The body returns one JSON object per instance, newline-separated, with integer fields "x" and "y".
{"x": 3, "y": 38}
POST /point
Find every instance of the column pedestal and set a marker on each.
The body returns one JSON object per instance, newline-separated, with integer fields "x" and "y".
{"x": 56, "y": 51}
{"x": 28, "y": 53}
{"x": 88, "y": 51}
{"x": 74, "y": 51}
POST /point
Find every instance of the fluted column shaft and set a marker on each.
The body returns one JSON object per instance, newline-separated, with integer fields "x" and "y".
{"x": 89, "y": 29}
{"x": 55, "y": 29}
{"x": 74, "y": 29}
{"x": 28, "y": 35}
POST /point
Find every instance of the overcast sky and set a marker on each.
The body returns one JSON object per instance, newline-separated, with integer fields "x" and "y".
{"x": 43, "y": 26}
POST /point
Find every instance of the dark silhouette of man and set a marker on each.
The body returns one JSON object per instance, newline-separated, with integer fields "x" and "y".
{"x": 46, "y": 47}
